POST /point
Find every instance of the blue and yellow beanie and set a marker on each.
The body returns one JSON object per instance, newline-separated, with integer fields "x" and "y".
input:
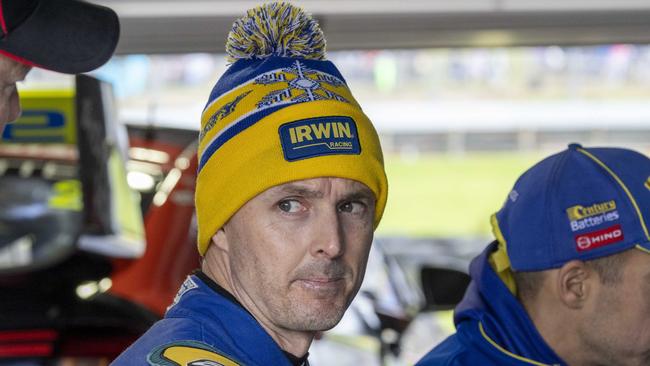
{"x": 280, "y": 113}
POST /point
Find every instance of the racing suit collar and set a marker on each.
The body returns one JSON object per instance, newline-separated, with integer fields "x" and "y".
{"x": 217, "y": 288}
{"x": 295, "y": 361}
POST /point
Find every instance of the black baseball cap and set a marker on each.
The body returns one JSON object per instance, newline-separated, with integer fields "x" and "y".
{"x": 68, "y": 36}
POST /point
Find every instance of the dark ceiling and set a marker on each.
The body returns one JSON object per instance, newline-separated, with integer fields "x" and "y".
{"x": 164, "y": 26}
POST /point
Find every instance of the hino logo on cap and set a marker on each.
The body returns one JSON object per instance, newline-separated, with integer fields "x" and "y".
{"x": 319, "y": 136}
{"x": 599, "y": 238}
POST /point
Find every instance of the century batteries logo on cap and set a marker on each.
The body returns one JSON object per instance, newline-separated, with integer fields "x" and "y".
{"x": 583, "y": 217}
{"x": 319, "y": 136}
{"x": 599, "y": 238}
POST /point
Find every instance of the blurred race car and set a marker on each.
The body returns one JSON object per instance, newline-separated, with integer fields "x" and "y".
{"x": 78, "y": 279}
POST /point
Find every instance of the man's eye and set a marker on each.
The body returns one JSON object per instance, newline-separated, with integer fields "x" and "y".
{"x": 352, "y": 207}
{"x": 290, "y": 206}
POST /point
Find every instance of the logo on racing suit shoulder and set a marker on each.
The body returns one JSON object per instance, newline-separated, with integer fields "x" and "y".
{"x": 319, "y": 136}
{"x": 205, "y": 363}
{"x": 190, "y": 353}
{"x": 582, "y": 217}
{"x": 599, "y": 238}
{"x": 189, "y": 284}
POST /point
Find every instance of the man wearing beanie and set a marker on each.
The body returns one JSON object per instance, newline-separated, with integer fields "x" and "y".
{"x": 290, "y": 188}
{"x": 567, "y": 282}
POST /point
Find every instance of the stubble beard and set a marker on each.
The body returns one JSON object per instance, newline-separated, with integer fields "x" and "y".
{"x": 605, "y": 348}
{"x": 309, "y": 318}
{"x": 294, "y": 308}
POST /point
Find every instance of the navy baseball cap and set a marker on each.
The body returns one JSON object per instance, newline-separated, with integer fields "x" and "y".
{"x": 68, "y": 36}
{"x": 582, "y": 203}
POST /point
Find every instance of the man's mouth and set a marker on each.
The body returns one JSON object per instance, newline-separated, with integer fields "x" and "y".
{"x": 325, "y": 284}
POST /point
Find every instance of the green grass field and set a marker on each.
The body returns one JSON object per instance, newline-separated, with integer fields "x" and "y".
{"x": 444, "y": 195}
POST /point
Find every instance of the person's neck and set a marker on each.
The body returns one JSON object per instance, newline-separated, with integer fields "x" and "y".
{"x": 554, "y": 330}
{"x": 294, "y": 342}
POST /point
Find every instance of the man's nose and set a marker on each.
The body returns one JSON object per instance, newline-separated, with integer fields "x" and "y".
{"x": 330, "y": 239}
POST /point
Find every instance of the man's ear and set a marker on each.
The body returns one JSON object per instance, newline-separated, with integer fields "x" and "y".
{"x": 573, "y": 284}
{"x": 220, "y": 239}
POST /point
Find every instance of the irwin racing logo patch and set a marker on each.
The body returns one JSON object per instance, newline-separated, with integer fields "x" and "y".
{"x": 599, "y": 238}
{"x": 582, "y": 217}
{"x": 319, "y": 136}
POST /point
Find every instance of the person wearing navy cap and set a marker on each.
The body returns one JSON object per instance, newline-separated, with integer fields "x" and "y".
{"x": 567, "y": 280}
{"x": 67, "y": 36}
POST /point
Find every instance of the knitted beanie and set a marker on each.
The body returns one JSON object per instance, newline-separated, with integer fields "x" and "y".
{"x": 280, "y": 113}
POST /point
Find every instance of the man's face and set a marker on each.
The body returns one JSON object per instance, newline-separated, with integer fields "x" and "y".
{"x": 10, "y": 72}
{"x": 617, "y": 328}
{"x": 298, "y": 251}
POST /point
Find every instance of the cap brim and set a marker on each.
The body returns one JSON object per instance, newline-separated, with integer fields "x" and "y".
{"x": 645, "y": 247}
{"x": 67, "y": 36}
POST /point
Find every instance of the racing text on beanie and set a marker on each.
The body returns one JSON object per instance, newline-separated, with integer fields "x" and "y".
{"x": 280, "y": 113}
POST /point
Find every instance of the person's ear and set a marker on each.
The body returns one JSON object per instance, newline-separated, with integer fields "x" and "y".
{"x": 574, "y": 284}
{"x": 220, "y": 239}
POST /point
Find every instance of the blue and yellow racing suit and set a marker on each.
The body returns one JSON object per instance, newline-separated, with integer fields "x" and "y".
{"x": 206, "y": 326}
{"x": 493, "y": 329}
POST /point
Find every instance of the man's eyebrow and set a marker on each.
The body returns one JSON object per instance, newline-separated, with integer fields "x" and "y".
{"x": 361, "y": 194}
{"x": 301, "y": 191}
